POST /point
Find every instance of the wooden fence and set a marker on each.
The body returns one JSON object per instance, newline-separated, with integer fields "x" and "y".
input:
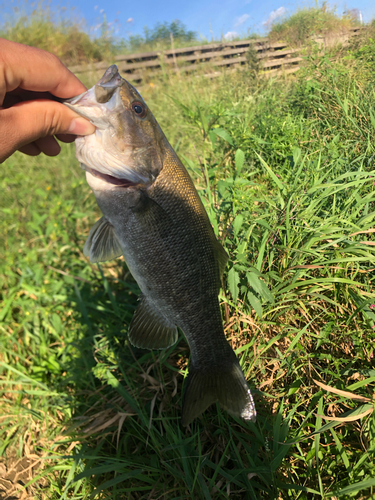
{"x": 274, "y": 58}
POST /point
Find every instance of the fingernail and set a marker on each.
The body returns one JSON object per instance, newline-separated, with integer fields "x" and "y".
{"x": 81, "y": 126}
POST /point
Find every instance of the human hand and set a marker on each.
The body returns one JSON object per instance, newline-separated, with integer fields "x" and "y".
{"x": 30, "y": 81}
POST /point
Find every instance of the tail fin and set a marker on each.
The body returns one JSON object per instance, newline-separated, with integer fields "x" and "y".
{"x": 226, "y": 385}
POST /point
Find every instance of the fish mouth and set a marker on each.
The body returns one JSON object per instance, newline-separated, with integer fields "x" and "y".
{"x": 110, "y": 179}
{"x": 95, "y": 102}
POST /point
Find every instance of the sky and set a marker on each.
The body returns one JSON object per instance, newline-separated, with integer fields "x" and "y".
{"x": 210, "y": 18}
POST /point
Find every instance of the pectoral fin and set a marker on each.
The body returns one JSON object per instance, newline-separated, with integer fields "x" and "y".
{"x": 151, "y": 216}
{"x": 102, "y": 243}
{"x": 149, "y": 329}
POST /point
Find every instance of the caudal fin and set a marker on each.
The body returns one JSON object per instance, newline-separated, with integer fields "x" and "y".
{"x": 226, "y": 385}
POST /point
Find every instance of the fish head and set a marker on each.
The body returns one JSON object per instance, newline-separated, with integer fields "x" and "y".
{"x": 127, "y": 146}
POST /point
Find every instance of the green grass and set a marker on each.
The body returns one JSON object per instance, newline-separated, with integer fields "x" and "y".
{"x": 286, "y": 171}
{"x": 306, "y": 22}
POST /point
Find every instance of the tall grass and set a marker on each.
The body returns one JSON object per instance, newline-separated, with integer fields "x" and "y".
{"x": 307, "y": 22}
{"x": 60, "y": 31}
{"x": 285, "y": 169}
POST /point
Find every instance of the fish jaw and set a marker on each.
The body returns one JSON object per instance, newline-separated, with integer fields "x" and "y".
{"x": 121, "y": 146}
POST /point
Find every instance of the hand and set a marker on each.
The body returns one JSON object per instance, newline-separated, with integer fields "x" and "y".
{"x": 31, "y": 83}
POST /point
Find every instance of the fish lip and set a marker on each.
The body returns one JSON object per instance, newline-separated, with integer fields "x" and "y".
{"x": 110, "y": 80}
{"x": 72, "y": 100}
{"x": 110, "y": 179}
{"x": 77, "y": 110}
{"x": 108, "y": 84}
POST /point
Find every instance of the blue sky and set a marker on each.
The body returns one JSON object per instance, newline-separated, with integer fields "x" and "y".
{"x": 207, "y": 17}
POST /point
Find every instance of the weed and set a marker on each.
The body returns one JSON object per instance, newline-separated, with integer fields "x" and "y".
{"x": 286, "y": 172}
{"x": 307, "y": 22}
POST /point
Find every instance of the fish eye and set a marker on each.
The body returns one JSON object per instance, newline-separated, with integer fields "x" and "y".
{"x": 139, "y": 109}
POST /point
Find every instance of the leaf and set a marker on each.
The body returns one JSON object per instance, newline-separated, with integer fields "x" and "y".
{"x": 352, "y": 418}
{"x": 348, "y": 416}
{"x": 339, "y": 392}
{"x": 372, "y": 117}
{"x": 255, "y": 304}
{"x": 223, "y": 134}
{"x": 239, "y": 160}
{"x": 261, "y": 251}
{"x": 340, "y": 449}
{"x": 237, "y": 223}
{"x": 260, "y": 287}
{"x": 355, "y": 488}
{"x": 296, "y": 155}
{"x": 278, "y": 182}
{"x": 233, "y": 281}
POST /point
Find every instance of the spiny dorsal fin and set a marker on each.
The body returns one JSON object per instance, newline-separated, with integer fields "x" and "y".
{"x": 221, "y": 256}
{"x": 149, "y": 329}
{"x": 102, "y": 243}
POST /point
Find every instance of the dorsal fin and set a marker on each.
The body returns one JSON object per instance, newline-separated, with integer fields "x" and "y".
{"x": 102, "y": 243}
{"x": 221, "y": 255}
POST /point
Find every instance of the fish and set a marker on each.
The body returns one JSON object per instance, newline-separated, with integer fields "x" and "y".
{"x": 154, "y": 217}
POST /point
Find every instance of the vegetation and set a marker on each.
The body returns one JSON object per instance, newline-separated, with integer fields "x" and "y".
{"x": 307, "y": 22}
{"x": 62, "y": 33}
{"x": 67, "y": 35}
{"x": 161, "y": 37}
{"x": 285, "y": 169}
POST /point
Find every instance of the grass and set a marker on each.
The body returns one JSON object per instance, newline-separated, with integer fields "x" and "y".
{"x": 286, "y": 171}
{"x": 307, "y": 22}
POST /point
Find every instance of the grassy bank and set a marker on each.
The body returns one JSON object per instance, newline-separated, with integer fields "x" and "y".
{"x": 286, "y": 172}
{"x": 310, "y": 22}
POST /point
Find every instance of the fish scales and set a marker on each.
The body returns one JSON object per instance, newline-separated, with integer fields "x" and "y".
{"x": 152, "y": 214}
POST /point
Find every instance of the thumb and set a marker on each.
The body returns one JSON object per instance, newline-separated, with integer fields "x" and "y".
{"x": 28, "y": 121}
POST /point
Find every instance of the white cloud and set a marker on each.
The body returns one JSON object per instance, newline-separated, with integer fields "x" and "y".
{"x": 230, "y": 35}
{"x": 130, "y": 20}
{"x": 240, "y": 20}
{"x": 274, "y": 15}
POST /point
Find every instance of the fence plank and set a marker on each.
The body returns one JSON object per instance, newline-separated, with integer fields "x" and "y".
{"x": 215, "y": 55}
{"x": 281, "y": 62}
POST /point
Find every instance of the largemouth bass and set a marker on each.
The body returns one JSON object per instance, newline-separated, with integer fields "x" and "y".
{"x": 152, "y": 215}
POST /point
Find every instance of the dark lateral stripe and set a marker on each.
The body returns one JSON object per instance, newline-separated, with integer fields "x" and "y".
{"x": 110, "y": 178}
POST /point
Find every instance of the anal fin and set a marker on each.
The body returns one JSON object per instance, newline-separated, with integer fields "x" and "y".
{"x": 149, "y": 329}
{"x": 102, "y": 243}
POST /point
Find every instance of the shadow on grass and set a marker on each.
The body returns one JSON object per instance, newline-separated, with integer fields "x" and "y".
{"x": 126, "y": 406}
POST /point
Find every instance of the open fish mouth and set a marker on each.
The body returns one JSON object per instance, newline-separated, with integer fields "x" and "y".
{"x": 110, "y": 179}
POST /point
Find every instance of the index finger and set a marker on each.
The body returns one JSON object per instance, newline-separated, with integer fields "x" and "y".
{"x": 34, "y": 69}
